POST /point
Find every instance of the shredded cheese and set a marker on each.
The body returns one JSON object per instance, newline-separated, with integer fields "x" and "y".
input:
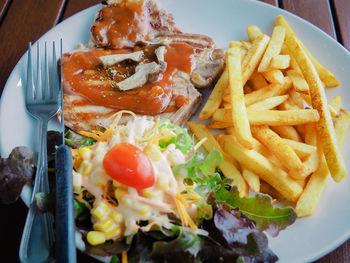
{"x": 181, "y": 205}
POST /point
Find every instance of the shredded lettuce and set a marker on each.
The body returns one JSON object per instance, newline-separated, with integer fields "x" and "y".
{"x": 182, "y": 139}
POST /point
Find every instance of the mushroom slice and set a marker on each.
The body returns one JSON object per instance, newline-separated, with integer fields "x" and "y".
{"x": 110, "y": 60}
{"x": 140, "y": 77}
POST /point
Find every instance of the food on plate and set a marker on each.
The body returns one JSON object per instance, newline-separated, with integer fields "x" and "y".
{"x": 150, "y": 68}
{"x": 296, "y": 134}
{"x": 144, "y": 184}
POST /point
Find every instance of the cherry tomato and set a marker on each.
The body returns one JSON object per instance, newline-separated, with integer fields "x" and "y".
{"x": 128, "y": 165}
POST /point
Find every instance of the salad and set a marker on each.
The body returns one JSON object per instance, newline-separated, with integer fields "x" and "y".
{"x": 146, "y": 192}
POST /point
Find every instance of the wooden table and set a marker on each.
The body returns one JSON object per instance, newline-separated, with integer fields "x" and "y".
{"x": 22, "y": 21}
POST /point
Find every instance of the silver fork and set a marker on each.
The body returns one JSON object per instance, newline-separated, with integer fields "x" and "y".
{"x": 42, "y": 101}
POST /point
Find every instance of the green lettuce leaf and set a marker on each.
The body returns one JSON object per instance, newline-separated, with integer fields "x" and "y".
{"x": 260, "y": 209}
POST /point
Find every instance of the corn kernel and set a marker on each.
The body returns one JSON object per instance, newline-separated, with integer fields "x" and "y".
{"x": 143, "y": 209}
{"x": 153, "y": 152}
{"x": 95, "y": 238}
{"x": 100, "y": 210}
{"x": 151, "y": 193}
{"x": 77, "y": 181}
{"x": 120, "y": 192}
{"x": 114, "y": 232}
{"x": 126, "y": 201}
{"x": 163, "y": 184}
{"x": 85, "y": 153}
{"x": 85, "y": 168}
{"x": 103, "y": 225}
{"x": 117, "y": 217}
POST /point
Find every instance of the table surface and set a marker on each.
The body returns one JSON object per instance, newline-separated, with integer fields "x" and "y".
{"x": 24, "y": 21}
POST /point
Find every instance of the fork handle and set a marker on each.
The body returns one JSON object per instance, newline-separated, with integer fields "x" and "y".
{"x": 37, "y": 238}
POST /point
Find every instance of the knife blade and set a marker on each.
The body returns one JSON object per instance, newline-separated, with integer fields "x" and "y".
{"x": 65, "y": 226}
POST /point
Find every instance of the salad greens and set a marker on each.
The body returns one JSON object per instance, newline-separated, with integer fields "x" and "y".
{"x": 15, "y": 171}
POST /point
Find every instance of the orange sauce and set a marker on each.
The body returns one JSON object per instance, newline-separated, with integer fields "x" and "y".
{"x": 84, "y": 74}
{"x": 121, "y": 25}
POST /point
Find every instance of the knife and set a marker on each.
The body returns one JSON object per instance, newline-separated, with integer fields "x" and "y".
{"x": 65, "y": 226}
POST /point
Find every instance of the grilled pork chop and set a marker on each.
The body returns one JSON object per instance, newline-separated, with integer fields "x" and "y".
{"x": 150, "y": 83}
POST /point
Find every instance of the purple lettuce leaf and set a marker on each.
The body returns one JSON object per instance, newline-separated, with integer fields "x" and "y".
{"x": 260, "y": 209}
{"x": 15, "y": 171}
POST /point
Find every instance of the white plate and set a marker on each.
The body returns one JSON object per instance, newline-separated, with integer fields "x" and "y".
{"x": 309, "y": 238}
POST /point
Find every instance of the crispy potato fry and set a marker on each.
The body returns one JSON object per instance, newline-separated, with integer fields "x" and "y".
{"x": 274, "y": 76}
{"x": 268, "y": 189}
{"x": 288, "y": 105}
{"x": 280, "y": 62}
{"x": 299, "y": 83}
{"x": 287, "y": 132}
{"x": 271, "y": 117}
{"x": 215, "y": 98}
{"x": 334, "y": 157}
{"x": 268, "y": 103}
{"x": 278, "y": 147}
{"x": 313, "y": 191}
{"x": 253, "y": 32}
{"x": 332, "y": 111}
{"x": 253, "y": 56}
{"x": 226, "y": 166}
{"x": 271, "y": 90}
{"x": 251, "y": 178}
{"x": 325, "y": 75}
{"x": 219, "y": 125}
{"x": 239, "y": 112}
{"x": 247, "y": 88}
{"x": 274, "y": 47}
{"x": 336, "y": 104}
{"x": 246, "y": 44}
{"x": 303, "y": 150}
{"x": 235, "y": 44}
{"x": 296, "y": 98}
{"x": 258, "y": 81}
{"x": 342, "y": 125}
{"x": 311, "y": 163}
{"x": 261, "y": 166}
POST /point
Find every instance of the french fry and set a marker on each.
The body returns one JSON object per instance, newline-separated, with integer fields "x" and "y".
{"x": 342, "y": 125}
{"x": 296, "y": 98}
{"x": 311, "y": 163}
{"x": 303, "y": 150}
{"x": 215, "y": 98}
{"x": 299, "y": 83}
{"x": 279, "y": 147}
{"x": 219, "y": 125}
{"x": 247, "y": 88}
{"x": 288, "y": 105}
{"x": 313, "y": 191}
{"x": 235, "y": 44}
{"x": 273, "y": 48}
{"x": 253, "y": 56}
{"x": 246, "y": 44}
{"x": 287, "y": 132}
{"x": 278, "y": 118}
{"x": 253, "y": 32}
{"x": 280, "y": 62}
{"x": 226, "y": 166}
{"x": 274, "y": 76}
{"x": 258, "y": 81}
{"x": 270, "y": 91}
{"x": 336, "y": 104}
{"x": 325, "y": 75}
{"x": 239, "y": 112}
{"x": 334, "y": 158}
{"x": 251, "y": 178}
{"x": 268, "y": 189}
{"x": 261, "y": 166}
{"x": 268, "y": 103}
{"x": 271, "y": 117}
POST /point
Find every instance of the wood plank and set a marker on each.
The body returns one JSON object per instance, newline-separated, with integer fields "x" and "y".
{"x": 4, "y": 4}
{"x": 342, "y": 11}
{"x": 340, "y": 255}
{"x": 78, "y": 5}
{"x": 315, "y": 11}
{"x": 271, "y": 2}
{"x": 25, "y": 21}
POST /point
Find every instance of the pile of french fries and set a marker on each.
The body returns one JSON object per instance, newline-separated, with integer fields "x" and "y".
{"x": 281, "y": 137}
